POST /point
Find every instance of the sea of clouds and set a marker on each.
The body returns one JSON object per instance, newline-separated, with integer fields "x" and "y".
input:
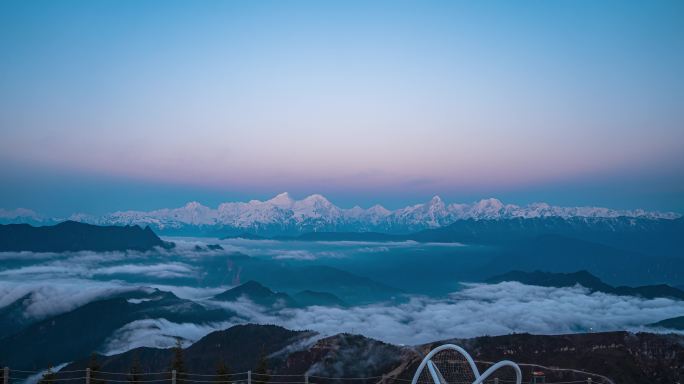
{"x": 56, "y": 283}
{"x": 479, "y": 309}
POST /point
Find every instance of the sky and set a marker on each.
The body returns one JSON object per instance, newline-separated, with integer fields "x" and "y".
{"x": 109, "y": 105}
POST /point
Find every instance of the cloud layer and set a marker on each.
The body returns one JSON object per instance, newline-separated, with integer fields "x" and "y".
{"x": 482, "y": 309}
{"x": 479, "y": 309}
{"x": 55, "y": 283}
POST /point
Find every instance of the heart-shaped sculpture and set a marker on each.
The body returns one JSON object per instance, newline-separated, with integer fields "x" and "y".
{"x": 451, "y": 364}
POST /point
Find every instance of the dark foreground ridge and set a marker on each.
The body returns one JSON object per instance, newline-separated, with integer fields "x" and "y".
{"x": 610, "y": 357}
{"x": 74, "y": 236}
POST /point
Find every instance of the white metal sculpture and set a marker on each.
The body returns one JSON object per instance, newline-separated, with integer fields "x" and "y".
{"x": 451, "y": 364}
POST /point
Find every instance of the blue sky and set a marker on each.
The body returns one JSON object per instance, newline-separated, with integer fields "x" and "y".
{"x": 109, "y": 105}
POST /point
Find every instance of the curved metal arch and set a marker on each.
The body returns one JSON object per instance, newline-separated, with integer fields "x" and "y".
{"x": 500, "y": 364}
{"x": 437, "y": 376}
{"x": 427, "y": 358}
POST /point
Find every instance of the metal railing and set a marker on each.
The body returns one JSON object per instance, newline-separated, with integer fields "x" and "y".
{"x": 88, "y": 376}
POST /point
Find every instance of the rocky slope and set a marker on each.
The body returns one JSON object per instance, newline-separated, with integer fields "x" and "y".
{"x": 618, "y": 357}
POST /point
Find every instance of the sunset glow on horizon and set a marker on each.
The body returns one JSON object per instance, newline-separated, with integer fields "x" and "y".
{"x": 577, "y": 103}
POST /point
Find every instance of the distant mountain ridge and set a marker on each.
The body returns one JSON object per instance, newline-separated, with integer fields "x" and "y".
{"x": 671, "y": 323}
{"x": 75, "y": 236}
{"x": 285, "y": 215}
{"x": 264, "y": 296}
{"x": 258, "y": 294}
{"x": 587, "y": 280}
{"x": 653, "y": 237}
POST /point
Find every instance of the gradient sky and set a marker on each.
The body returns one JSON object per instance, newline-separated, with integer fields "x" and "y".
{"x": 108, "y": 105}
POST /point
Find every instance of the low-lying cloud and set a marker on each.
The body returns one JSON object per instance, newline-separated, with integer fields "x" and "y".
{"x": 158, "y": 333}
{"x": 159, "y": 270}
{"x": 302, "y": 254}
{"x": 479, "y": 309}
{"x": 49, "y": 298}
{"x": 54, "y": 283}
{"x": 482, "y": 309}
{"x": 43, "y": 299}
{"x": 162, "y": 270}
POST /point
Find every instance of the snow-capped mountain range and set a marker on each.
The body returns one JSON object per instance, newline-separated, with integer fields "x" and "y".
{"x": 285, "y": 215}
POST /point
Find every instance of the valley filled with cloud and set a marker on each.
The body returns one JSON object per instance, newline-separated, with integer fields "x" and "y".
{"x": 47, "y": 285}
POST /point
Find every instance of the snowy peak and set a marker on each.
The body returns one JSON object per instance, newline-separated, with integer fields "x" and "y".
{"x": 355, "y": 212}
{"x": 283, "y": 214}
{"x": 195, "y": 213}
{"x": 193, "y": 206}
{"x": 21, "y": 215}
{"x": 282, "y": 200}
{"x": 18, "y": 213}
{"x": 488, "y": 209}
{"x": 316, "y": 207}
{"x": 428, "y": 215}
{"x": 436, "y": 202}
{"x": 379, "y": 210}
{"x": 315, "y": 199}
{"x": 490, "y": 204}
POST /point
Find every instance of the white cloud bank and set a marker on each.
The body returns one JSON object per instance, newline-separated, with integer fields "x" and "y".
{"x": 158, "y": 333}
{"x": 482, "y": 309}
{"x": 479, "y": 309}
{"x": 58, "y": 296}
{"x": 61, "y": 282}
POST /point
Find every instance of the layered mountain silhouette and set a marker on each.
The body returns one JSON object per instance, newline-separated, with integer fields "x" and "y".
{"x": 257, "y": 294}
{"x": 261, "y": 295}
{"x": 67, "y": 336}
{"x": 29, "y": 343}
{"x": 75, "y": 236}
{"x": 587, "y": 280}
{"x": 309, "y": 298}
{"x": 233, "y": 269}
{"x": 671, "y": 323}
{"x": 661, "y": 237}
